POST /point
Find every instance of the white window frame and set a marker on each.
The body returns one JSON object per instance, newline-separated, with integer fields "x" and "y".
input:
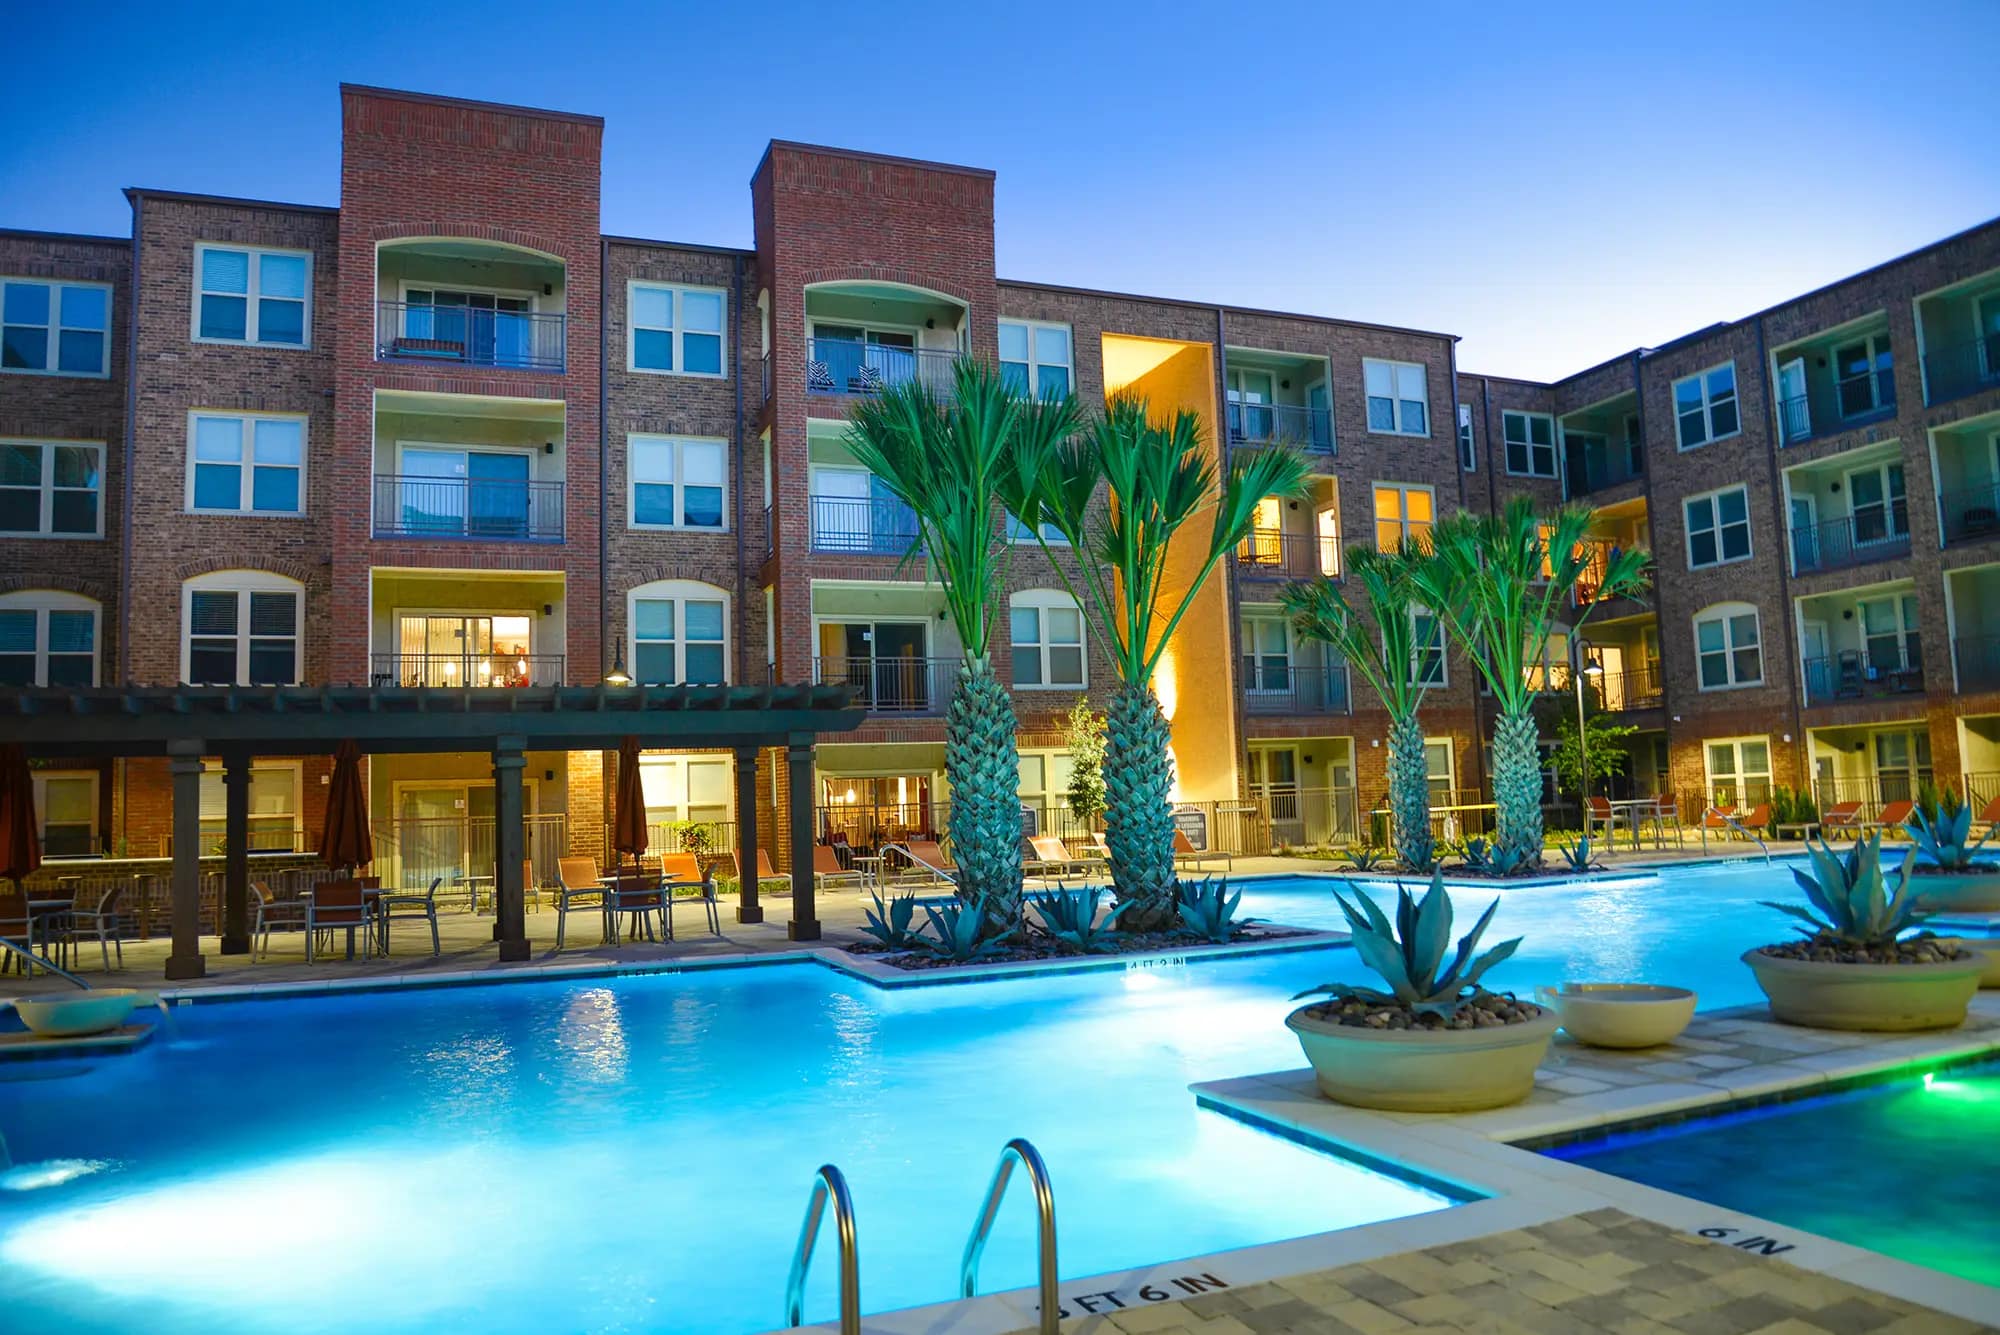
{"x": 1714, "y": 499}
{"x": 1468, "y": 445}
{"x": 679, "y": 445}
{"x": 41, "y": 796}
{"x": 1526, "y": 442}
{"x": 52, "y": 361}
{"x": 44, "y": 601}
{"x": 1403, "y": 489}
{"x": 1396, "y": 397}
{"x": 251, "y": 296}
{"x": 243, "y": 583}
{"x": 294, "y": 769}
{"x": 1041, "y": 602}
{"x": 675, "y": 330}
{"x": 1707, "y": 405}
{"x": 46, "y": 516}
{"x": 248, "y": 465}
{"x": 678, "y": 592}
{"x": 1740, "y": 777}
{"x": 1725, "y": 614}
{"x": 1035, "y": 363}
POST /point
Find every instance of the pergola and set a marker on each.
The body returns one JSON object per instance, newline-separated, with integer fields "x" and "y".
{"x": 186, "y": 723}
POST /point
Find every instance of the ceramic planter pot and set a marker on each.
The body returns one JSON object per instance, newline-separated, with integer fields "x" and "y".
{"x": 75, "y": 1014}
{"x": 1988, "y": 949}
{"x": 1957, "y": 892}
{"x": 1882, "y": 998}
{"x": 1620, "y": 1015}
{"x": 1424, "y": 1070}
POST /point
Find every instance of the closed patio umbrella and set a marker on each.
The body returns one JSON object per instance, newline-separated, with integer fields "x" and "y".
{"x": 20, "y": 851}
{"x": 628, "y": 830}
{"x": 344, "y": 841}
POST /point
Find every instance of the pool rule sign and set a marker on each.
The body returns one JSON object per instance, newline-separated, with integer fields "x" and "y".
{"x": 1193, "y": 822}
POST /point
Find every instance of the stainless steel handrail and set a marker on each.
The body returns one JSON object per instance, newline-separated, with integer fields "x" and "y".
{"x": 1731, "y": 822}
{"x": 827, "y": 1182}
{"x": 1018, "y": 1149}
{"x": 38, "y": 962}
{"x": 941, "y": 873}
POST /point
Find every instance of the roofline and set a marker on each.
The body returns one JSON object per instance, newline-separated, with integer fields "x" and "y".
{"x": 1507, "y": 380}
{"x": 1224, "y": 307}
{"x": 704, "y": 248}
{"x": 984, "y": 173}
{"x": 234, "y": 201}
{"x": 441, "y": 100}
{"x": 31, "y": 234}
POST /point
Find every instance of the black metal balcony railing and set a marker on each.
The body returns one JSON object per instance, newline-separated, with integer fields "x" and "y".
{"x": 1618, "y": 692}
{"x": 874, "y": 526}
{"x": 770, "y": 533}
{"x": 1274, "y": 554}
{"x": 1596, "y": 470}
{"x": 767, "y": 379}
{"x": 843, "y": 366}
{"x": 1858, "y": 401}
{"x": 1977, "y": 658}
{"x": 433, "y": 507}
{"x": 1971, "y": 513}
{"x": 1309, "y": 429}
{"x": 1854, "y": 675}
{"x": 893, "y": 685}
{"x": 1274, "y": 689}
{"x": 1961, "y": 368}
{"x": 1794, "y": 420}
{"x": 467, "y": 669}
{"x": 511, "y": 340}
{"x": 1877, "y": 533}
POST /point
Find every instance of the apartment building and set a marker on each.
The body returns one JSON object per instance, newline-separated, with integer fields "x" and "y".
{"x": 450, "y": 434}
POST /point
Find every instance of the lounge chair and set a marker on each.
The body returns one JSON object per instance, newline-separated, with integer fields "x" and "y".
{"x": 335, "y": 906}
{"x": 1187, "y": 855}
{"x": 1049, "y": 858}
{"x": 828, "y": 871}
{"x": 683, "y": 871}
{"x": 580, "y": 886}
{"x": 412, "y": 907}
{"x": 1758, "y": 820}
{"x": 1989, "y": 816}
{"x": 1720, "y": 818}
{"x": 1841, "y": 818}
{"x": 1895, "y": 815}
{"x": 927, "y": 861}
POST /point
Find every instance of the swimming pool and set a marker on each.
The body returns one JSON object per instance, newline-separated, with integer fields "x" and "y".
{"x": 633, "y": 1153}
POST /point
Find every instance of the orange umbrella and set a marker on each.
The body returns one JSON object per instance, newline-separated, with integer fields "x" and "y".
{"x": 345, "y": 841}
{"x": 628, "y": 830}
{"x": 20, "y": 851}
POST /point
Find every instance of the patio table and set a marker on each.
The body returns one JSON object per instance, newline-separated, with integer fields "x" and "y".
{"x": 1806, "y": 828}
{"x": 870, "y": 867}
{"x": 1629, "y": 808}
{"x": 46, "y": 918}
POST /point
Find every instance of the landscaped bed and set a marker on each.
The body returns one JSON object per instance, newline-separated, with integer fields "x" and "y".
{"x": 1039, "y": 947}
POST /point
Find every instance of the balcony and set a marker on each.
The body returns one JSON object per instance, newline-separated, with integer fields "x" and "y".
{"x": 1860, "y": 398}
{"x": 1835, "y": 380}
{"x": 1878, "y": 533}
{"x": 1977, "y": 658}
{"x": 848, "y": 366}
{"x": 1617, "y": 692}
{"x": 1270, "y": 553}
{"x": 1879, "y": 672}
{"x": 1602, "y": 445}
{"x": 911, "y": 687}
{"x": 1958, "y": 369}
{"x": 1283, "y": 689}
{"x": 1254, "y": 424}
{"x": 472, "y": 509}
{"x": 470, "y": 336}
{"x": 467, "y": 669}
{"x": 868, "y": 526}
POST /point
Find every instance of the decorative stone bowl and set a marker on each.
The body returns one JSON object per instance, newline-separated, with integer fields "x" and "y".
{"x": 1424, "y": 1070}
{"x": 1956, "y": 892}
{"x": 1620, "y": 1015}
{"x": 1988, "y": 949}
{"x": 1877, "y": 998}
{"x": 76, "y": 1014}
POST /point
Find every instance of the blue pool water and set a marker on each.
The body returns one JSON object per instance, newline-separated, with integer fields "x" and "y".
{"x": 633, "y": 1154}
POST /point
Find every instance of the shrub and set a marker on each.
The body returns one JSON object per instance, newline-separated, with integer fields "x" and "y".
{"x": 891, "y": 924}
{"x": 1410, "y": 955}
{"x": 1208, "y": 910}
{"x": 1855, "y": 905}
{"x": 1070, "y": 916}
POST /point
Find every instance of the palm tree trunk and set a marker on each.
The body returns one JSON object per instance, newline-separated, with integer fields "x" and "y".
{"x": 984, "y": 769}
{"x": 1410, "y": 794}
{"x": 1138, "y": 821}
{"x": 1517, "y": 787}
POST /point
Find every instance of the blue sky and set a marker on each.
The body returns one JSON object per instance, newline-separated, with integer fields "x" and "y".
{"x": 1556, "y": 184}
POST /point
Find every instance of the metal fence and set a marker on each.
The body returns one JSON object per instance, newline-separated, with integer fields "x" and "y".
{"x": 1971, "y": 513}
{"x": 1275, "y": 554}
{"x": 444, "y": 507}
{"x": 893, "y": 685}
{"x": 1961, "y": 368}
{"x": 1853, "y": 676}
{"x": 1307, "y": 429}
{"x": 1271, "y": 689}
{"x": 846, "y": 366}
{"x": 1595, "y": 470}
{"x": 511, "y": 340}
{"x": 410, "y": 854}
{"x": 1977, "y": 658}
{"x": 1872, "y": 793}
{"x": 870, "y": 525}
{"x": 467, "y": 669}
{"x": 1878, "y": 533}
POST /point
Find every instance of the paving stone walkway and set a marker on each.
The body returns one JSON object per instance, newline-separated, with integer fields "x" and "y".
{"x": 1587, "y": 1274}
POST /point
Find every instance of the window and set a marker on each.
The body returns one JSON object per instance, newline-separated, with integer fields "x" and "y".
{"x": 1047, "y": 629}
{"x": 684, "y": 788}
{"x": 48, "y": 638}
{"x": 241, "y": 628}
{"x": 1739, "y": 770}
{"x": 1267, "y": 653}
{"x": 1718, "y": 527}
{"x": 252, "y": 296}
{"x": 1890, "y": 635}
{"x": 55, "y": 328}
{"x": 1440, "y": 764}
{"x": 1881, "y": 511}
{"x": 246, "y": 465}
{"x": 1531, "y": 443}
{"x": 676, "y": 329}
{"x": 1035, "y": 358}
{"x": 1427, "y": 666}
{"x": 674, "y": 483}
{"x": 66, "y": 813}
{"x": 1398, "y": 400}
{"x": 1468, "y": 453}
{"x": 274, "y": 807}
{"x": 680, "y": 633}
{"x": 1402, "y": 515}
{"x": 51, "y": 487}
{"x": 1705, "y": 406}
{"x": 1019, "y": 532}
{"x": 1727, "y": 647}
{"x": 1864, "y": 376}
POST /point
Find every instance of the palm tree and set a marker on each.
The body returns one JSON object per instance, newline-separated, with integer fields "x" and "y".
{"x": 1159, "y": 479}
{"x": 1498, "y": 582}
{"x": 1383, "y": 649}
{"x": 944, "y": 458}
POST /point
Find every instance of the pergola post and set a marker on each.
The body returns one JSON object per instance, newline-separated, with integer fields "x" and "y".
{"x": 184, "y": 960}
{"x": 804, "y": 925}
{"x": 510, "y": 913}
{"x": 235, "y": 853}
{"x": 747, "y": 907}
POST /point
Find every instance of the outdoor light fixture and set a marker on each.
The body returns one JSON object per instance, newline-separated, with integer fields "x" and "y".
{"x": 617, "y": 676}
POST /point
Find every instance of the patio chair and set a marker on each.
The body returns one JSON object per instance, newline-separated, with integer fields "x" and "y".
{"x": 105, "y": 923}
{"x": 1665, "y": 812}
{"x": 635, "y": 892}
{"x": 828, "y": 871}
{"x": 1049, "y": 857}
{"x": 1989, "y": 816}
{"x": 1719, "y": 818}
{"x": 1599, "y": 813}
{"x": 927, "y": 860}
{"x": 1757, "y": 820}
{"x": 683, "y": 871}
{"x": 270, "y": 909}
{"x": 412, "y": 907}
{"x": 1895, "y": 815}
{"x": 336, "y": 906}
{"x": 15, "y": 929}
{"x": 1841, "y": 818}
{"x": 578, "y": 885}
{"x": 1187, "y": 855}
{"x": 531, "y": 887}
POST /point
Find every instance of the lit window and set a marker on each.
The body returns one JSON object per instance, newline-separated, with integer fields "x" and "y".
{"x": 1718, "y": 527}
{"x": 1047, "y": 630}
{"x": 675, "y": 483}
{"x": 1403, "y": 515}
{"x": 1035, "y": 358}
{"x": 241, "y": 628}
{"x": 55, "y": 328}
{"x": 252, "y": 296}
{"x": 246, "y": 465}
{"x": 1398, "y": 397}
{"x": 48, "y": 638}
{"x": 1727, "y": 647}
{"x": 66, "y": 813}
{"x": 680, "y": 633}
{"x": 1531, "y": 443}
{"x": 51, "y": 487}
{"x": 274, "y": 808}
{"x": 1705, "y": 406}
{"x": 676, "y": 329}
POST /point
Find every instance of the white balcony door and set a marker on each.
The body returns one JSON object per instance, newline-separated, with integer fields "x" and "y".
{"x": 1250, "y": 391}
{"x": 1268, "y": 642}
{"x": 453, "y": 649}
{"x": 1988, "y": 312}
{"x": 1794, "y": 413}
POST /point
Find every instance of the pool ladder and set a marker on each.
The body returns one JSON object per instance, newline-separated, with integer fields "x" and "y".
{"x": 828, "y": 1182}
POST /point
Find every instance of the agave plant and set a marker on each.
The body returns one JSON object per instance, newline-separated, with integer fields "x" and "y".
{"x": 1208, "y": 910}
{"x": 1070, "y": 916}
{"x": 961, "y": 932}
{"x": 891, "y": 924}
{"x": 1856, "y": 905}
{"x": 1409, "y": 955}
{"x": 1942, "y": 842}
{"x": 1492, "y": 859}
{"x": 1579, "y": 856}
{"x": 1365, "y": 857}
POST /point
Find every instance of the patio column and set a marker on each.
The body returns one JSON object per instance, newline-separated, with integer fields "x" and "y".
{"x": 510, "y": 914}
{"x": 804, "y": 925}
{"x": 235, "y": 853}
{"x": 747, "y": 907}
{"x": 184, "y": 960}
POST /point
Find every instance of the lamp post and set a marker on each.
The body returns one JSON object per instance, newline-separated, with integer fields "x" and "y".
{"x": 1582, "y": 670}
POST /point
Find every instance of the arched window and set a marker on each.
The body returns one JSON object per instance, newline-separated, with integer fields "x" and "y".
{"x": 48, "y": 638}
{"x": 1728, "y": 646}
{"x": 678, "y": 632}
{"x": 242, "y": 628}
{"x": 1047, "y": 632}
